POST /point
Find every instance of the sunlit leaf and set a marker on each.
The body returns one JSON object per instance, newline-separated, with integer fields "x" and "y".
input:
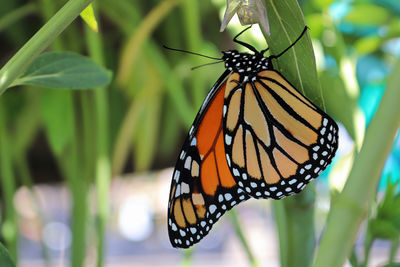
{"x": 298, "y": 64}
{"x": 88, "y": 16}
{"x": 64, "y": 70}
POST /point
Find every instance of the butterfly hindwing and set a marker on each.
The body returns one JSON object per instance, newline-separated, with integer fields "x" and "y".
{"x": 202, "y": 188}
{"x": 254, "y": 136}
{"x": 275, "y": 139}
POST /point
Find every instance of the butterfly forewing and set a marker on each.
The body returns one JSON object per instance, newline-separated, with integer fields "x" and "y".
{"x": 202, "y": 188}
{"x": 276, "y": 140}
{"x": 254, "y": 136}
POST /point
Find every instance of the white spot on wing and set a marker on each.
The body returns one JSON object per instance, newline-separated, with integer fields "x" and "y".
{"x": 228, "y": 196}
{"x": 176, "y": 175}
{"x": 178, "y": 190}
{"x": 188, "y": 162}
{"x": 228, "y": 139}
{"x": 212, "y": 208}
{"x": 185, "y": 188}
{"x": 194, "y": 142}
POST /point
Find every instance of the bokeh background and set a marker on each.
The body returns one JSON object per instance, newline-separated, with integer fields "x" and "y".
{"x": 52, "y": 198}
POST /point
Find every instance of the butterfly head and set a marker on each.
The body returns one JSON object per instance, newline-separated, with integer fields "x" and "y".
{"x": 245, "y": 63}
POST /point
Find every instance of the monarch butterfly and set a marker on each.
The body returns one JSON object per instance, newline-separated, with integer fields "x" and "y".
{"x": 255, "y": 136}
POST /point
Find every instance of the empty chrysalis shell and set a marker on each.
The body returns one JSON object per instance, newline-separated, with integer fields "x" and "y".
{"x": 248, "y": 11}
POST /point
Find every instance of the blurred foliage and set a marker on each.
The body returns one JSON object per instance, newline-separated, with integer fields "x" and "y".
{"x": 5, "y": 259}
{"x": 383, "y": 223}
{"x": 154, "y": 98}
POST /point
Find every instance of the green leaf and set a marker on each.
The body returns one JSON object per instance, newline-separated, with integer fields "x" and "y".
{"x": 88, "y": 16}
{"x": 5, "y": 259}
{"x": 389, "y": 208}
{"x": 64, "y": 70}
{"x": 383, "y": 229}
{"x": 368, "y": 44}
{"x": 298, "y": 64}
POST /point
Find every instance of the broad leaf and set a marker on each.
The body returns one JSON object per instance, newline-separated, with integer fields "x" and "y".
{"x": 64, "y": 70}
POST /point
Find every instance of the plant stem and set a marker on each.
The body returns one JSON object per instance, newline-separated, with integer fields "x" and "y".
{"x": 192, "y": 30}
{"x": 280, "y": 219}
{"x": 296, "y": 228}
{"x": 40, "y": 41}
{"x": 9, "y": 227}
{"x": 351, "y": 206}
{"x": 235, "y": 222}
{"x": 103, "y": 165}
{"x": 393, "y": 251}
{"x": 17, "y": 15}
{"x": 79, "y": 172}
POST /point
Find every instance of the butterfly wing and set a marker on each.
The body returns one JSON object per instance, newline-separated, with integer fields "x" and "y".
{"x": 276, "y": 140}
{"x": 202, "y": 188}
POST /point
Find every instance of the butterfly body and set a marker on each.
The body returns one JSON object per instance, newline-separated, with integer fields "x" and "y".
{"x": 254, "y": 136}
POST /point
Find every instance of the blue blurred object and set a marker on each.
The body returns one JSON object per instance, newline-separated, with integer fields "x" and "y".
{"x": 371, "y": 70}
{"x": 338, "y": 10}
{"x": 391, "y": 171}
{"x": 372, "y": 73}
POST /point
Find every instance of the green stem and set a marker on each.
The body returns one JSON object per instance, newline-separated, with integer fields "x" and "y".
{"x": 393, "y": 251}
{"x": 367, "y": 248}
{"x": 235, "y": 222}
{"x": 187, "y": 258}
{"x": 9, "y": 225}
{"x": 296, "y": 228}
{"x": 16, "y": 15}
{"x": 192, "y": 29}
{"x": 103, "y": 165}
{"x": 280, "y": 219}
{"x": 48, "y": 8}
{"x": 351, "y": 206}
{"x": 78, "y": 175}
{"x": 40, "y": 41}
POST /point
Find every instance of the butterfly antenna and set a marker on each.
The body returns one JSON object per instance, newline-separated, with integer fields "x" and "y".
{"x": 207, "y": 64}
{"x": 248, "y": 46}
{"x": 290, "y": 46}
{"x": 190, "y": 52}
